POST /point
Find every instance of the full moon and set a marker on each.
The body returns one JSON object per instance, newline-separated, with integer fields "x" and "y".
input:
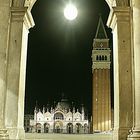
{"x": 70, "y": 12}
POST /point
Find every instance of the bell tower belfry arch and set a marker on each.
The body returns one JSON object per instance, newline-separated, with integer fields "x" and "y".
{"x": 15, "y": 21}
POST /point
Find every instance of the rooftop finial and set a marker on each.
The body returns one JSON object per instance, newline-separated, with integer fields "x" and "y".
{"x": 43, "y": 109}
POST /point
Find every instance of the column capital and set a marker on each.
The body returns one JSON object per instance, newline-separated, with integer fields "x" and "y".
{"x": 22, "y": 14}
{"x": 118, "y": 14}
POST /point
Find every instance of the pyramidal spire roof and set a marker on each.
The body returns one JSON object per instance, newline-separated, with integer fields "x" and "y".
{"x": 101, "y": 33}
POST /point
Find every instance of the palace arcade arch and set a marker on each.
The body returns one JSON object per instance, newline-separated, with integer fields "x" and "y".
{"x": 15, "y": 22}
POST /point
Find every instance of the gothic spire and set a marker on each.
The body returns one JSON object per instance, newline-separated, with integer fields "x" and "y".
{"x": 101, "y": 33}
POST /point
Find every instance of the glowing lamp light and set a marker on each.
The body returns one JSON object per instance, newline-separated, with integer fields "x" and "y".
{"x": 70, "y": 12}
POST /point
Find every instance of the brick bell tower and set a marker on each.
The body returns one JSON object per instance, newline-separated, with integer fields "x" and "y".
{"x": 101, "y": 102}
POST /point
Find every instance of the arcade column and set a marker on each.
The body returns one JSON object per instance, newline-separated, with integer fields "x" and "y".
{"x": 119, "y": 21}
{"x": 20, "y": 22}
{"x": 4, "y": 35}
{"x": 135, "y": 133}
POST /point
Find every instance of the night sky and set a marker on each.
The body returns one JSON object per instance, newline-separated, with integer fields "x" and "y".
{"x": 59, "y": 52}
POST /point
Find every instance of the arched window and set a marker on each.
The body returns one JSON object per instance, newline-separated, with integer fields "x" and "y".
{"x": 58, "y": 116}
{"x": 102, "y": 57}
{"x": 105, "y": 57}
{"x": 97, "y": 58}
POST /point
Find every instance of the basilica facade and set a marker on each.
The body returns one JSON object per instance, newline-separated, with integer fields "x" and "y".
{"x": 59, "y": 119}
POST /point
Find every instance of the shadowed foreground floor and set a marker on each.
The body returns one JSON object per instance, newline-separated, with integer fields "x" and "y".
{"x": 36, "y": 136}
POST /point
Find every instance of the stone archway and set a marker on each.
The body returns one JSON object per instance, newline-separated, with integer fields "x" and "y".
{"x": 46, "y": 128}
{"x": 15, "y": 21}
{"x": 38, "y": 128}
{"x": 58, "y": 127}
{"x": 78, "y": 128}
{"x": 69, "y": 128}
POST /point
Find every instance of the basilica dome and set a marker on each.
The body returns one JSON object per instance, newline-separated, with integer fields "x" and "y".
{"x": 63, "y": 105}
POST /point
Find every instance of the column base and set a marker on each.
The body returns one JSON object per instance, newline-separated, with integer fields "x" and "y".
{"x": 134, "y": 135}
{"x": 3, "y": 134}
{"x": 16, "y": 133}
{"x": 120, "y": 133}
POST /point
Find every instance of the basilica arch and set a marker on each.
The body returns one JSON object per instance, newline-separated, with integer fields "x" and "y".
{"x": 15, "y": 22}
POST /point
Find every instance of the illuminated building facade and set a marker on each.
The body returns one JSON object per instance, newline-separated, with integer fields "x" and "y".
{"x": 60, "y": 119}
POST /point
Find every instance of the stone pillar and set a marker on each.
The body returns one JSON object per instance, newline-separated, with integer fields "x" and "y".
{"x": 119, "y": 21}
{"x": 4, "y": 34}
{"x": 21, "y": 20}
{"x": 135, "y": 134}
